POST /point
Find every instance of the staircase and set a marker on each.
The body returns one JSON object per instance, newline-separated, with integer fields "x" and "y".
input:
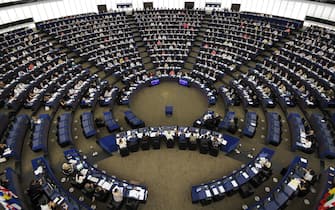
{"x": 140, "y": 45}
{"x": 195, "y": 50}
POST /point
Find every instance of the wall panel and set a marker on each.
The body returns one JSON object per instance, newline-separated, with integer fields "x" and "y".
{"x": 290, "y": 9}
{"x": 57, "y": 8}
{"x": 326, "y": 12}
{"x": 332, "y": 15}
{"x": 318, "y": 11}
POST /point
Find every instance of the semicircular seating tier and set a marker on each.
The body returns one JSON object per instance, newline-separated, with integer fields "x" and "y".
{"x": 183, "y": 79}
{"x": 100, "y": 178}
{"x": 187, "y": 137}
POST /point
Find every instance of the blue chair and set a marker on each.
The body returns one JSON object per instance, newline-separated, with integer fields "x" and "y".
{"x": 41, "y": 133}
{"x": 87, "y": 124}
{"x": 65, "y": 130}
{"x": 168, "y": 110}
{"x": 108, "y": 144}
{"x": 110, "y": 123}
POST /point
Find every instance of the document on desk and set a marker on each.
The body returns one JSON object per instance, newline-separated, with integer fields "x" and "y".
{"x": 107, "y": 186}
{"x": 93, "y": 179}
{"x": 8, "y": 151}
{"x": 234, "y": 183}
{"x": 133, "y": 194}
{"x": 79, "y": 166}
{"x": 73, "y": 161}
{"x": 221, "y": 189}
{"x": 38, "y": 171}
{"x": 215, "y": 191}
{"x": 101, "y": 182}
{"x": 245, "y": 175}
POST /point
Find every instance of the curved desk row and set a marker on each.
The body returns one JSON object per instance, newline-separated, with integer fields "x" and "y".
{"x": 217, "y": 189}
{"x": 182, "y": 80}
{"x": 41, "y": 133}
{"x": 228, "y": 122}
{"x": 273, "y": 128}
{"x": 284, "y": 190}
{"x": 186, "y": 136}
{"x": 209, "y": 120}
{"x": 52, "y": 187}
{"x": 298, "y": 134}
{"x": 57, "y": 96}
{"x": 91, "y": 96}
{"x": 100, "y": 178}
{"x": 16, "y": 135}
{"x": 110, "y": 122}
{"x": 245, "y": 93}
{"x": 108, "y": 97}
{"x": 87, "y": 123}
{"x": 133, "y": 120}
{"x": 229, "y": 98}
{"x": 250, "y": 124}
{"x": 324, "y": 136}
{"x": 65, "y": 129}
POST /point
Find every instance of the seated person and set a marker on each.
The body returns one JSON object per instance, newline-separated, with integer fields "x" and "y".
{"x": 78, "y": 180}
{"x": 265, "y": 165}
{"x": 100, "y": 194}
{"x": 303, "y": 188}
{"x": 89, "y": 190}
{"x": 309, "y": 175}
{"x": 35, "y": 191}
{"x": 294, "y": 183}
{"x": 67, "y": 169}
{"x": 117, "y": 195}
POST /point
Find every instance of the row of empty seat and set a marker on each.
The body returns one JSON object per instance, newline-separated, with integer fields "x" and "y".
{"x": 41, "y": 133}
{"x": 87, "y": 123}
{"x": 273, "y": 128}
{"x": 219, "y": 188}
{"x": 64, "y": 132}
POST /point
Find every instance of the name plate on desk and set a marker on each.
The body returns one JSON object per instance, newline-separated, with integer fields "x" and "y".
{"x": 245, "y": 175}
{"x": 208, "y": 193}
{"x": 58, "y": 200}
{"x": 234, "y": 183}
{"x": 221, "y": 189}
{"x": 303, "y": 160}
{"x": 106, "y": 185}
{"x": 215, "y": 191}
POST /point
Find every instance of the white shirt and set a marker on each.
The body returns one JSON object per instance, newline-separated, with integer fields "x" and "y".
{"x": 45, "y": 207}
